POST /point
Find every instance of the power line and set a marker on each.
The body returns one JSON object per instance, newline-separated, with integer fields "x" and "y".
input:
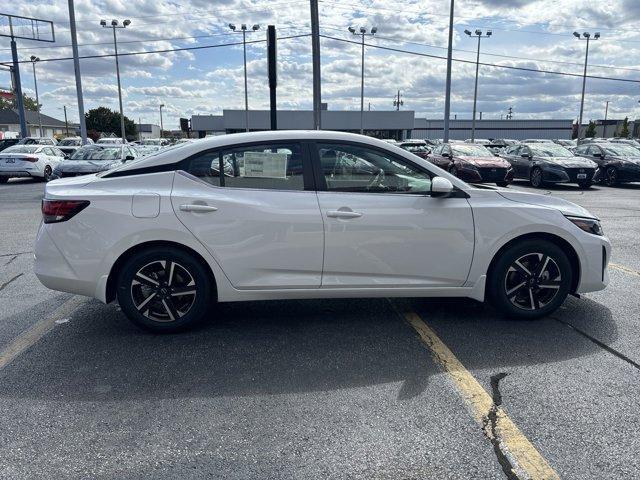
{"x": 508, "y": 67}
{"x": 166, "y": 50}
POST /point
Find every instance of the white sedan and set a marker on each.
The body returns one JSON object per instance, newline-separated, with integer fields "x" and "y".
{"x": 29, "y": 161}
{"x": 307, "y": 214}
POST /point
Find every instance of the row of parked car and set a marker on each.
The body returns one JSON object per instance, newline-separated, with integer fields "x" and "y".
{"x": 47, "y": 159}
{"x": 607, "y": 161}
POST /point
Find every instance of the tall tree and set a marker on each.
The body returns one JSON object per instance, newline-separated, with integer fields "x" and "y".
{"x": 29, "y": 103}
{"x": 624, "y": 131}
{"x": 105, "y": 120}
{"x": 591, "y": 130}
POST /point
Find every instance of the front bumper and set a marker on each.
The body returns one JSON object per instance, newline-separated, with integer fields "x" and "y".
{"x": 568, "y": 175}
{"x": 594, "y": 265}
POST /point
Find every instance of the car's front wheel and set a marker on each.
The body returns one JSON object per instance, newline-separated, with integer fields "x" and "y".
{"x": 164, "y": 289}
{"x": 611, "y": 177}
{"x": 502, "y": 184}
{"x": 530, "y": 279}
{"x": 536, "y": 178}
{"x": 46, "y": 174}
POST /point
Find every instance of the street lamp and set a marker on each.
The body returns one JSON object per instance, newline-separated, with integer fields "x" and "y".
{"x": 114, "y": 25}
{"x": 161, "y": 126}
{"x": 362, "y": 32}
{"x": 585, "y": 36}
{"x": 478, "y": 33}
{"x": 35, "y": 59}
{"x": 243, "y": 29}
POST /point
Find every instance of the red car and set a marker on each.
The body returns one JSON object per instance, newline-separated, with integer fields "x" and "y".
{"x": 472, "y": 163}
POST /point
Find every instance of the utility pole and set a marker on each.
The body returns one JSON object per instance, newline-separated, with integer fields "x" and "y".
{"x": 66, "y": 123}
{"x": 76, "y": 67}
{"x": 587, "y": 37}
{"x": 363, "y": 32}
{"x": 113, "y": 26}
{"x": 478, "y": 33}
{"x": 35, "y": 59}
{"x": 510, "y": 113}
{"x": 447, "y": 96}
{"x": 315, "y": 54}
{"x": 272, "y": 68}
{"x": 18, "y": 83}
{"x": 604, "y": 128}
{"x": 397, "y": 102}
{"x": 161, "y": 125}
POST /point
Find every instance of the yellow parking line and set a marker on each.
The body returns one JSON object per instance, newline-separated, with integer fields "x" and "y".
{"x": 522, "y": 456}
{"x": 31, "y": 336}
{"x": 622, "y": 268}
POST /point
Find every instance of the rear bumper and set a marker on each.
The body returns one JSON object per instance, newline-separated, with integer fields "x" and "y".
{"x": 16, "y": 173}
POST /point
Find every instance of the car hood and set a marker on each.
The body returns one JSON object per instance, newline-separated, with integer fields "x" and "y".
{"x": 569, "y": 162}
{"x": 89, "y": 166}
{"x": 564, "y": 206}
{"x": 485, "y": 162}
{"x": 635, "y": 160}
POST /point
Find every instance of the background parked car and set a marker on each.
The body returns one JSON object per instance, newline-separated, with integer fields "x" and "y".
{"x": 8, "y": 142}
{"x": 619, "y": 163}
{"x": 146, "y": 150}
{"x": 36, "y": 161}
{"x": 549, "y": 162}
{"x": 417, "y": 147}
{"x": 38, "y": 141}
{"x": 565, "y": 142}
{"x": 472, "y": 163}
{"x": 70, "y": 144}
{"x": 93, "y": 159}
{"x": 111, "y": 141}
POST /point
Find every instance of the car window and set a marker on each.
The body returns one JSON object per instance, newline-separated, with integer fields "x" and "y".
{"x": 265, "y": 166}
{"x": 581, "y": 150}
{"x": 48, "y": 151}
{"x": 352, "y": 168}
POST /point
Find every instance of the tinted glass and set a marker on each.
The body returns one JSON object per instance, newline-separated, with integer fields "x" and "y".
{"x": 471, "y": 150}
{"x": 622, "y": 150}
{"x": 205, "y": 166}
{"x": 550, "y": 150}
{"x": 350, "y": 168}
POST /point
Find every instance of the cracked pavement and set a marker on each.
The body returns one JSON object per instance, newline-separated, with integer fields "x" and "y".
{"x": 322, "y": 388}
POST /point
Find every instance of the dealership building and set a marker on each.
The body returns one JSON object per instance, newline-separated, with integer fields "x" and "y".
{"x": 399, "y": 125}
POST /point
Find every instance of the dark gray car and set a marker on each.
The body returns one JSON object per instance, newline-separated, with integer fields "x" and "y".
{"x": 93, "y": 159}
{"x": 548, "y": 162}
{"x": 618, "y": 162}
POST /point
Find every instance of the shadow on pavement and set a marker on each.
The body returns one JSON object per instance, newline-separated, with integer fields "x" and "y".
{"x": 284, "y": 347}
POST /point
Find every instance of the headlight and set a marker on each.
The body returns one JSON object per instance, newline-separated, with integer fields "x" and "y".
{"x": 589, "y": 225}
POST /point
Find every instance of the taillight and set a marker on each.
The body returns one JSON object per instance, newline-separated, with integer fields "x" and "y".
{"x": 54, "y": 211}
{"x": 28, "y": 159}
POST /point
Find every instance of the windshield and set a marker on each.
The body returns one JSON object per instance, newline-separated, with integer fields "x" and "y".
{"x": 109, "y": 140}
{"x": 69, "y": 142}
{"x": 622, "y": 150}
{"x": 21, "y": 149}
{"x": 471, "y": 150}
{"x": 97, "y": 154}
{"x": 550, "y": 150}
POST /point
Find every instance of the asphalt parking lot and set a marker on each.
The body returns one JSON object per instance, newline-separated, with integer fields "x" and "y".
{"x": 401, "y": 389}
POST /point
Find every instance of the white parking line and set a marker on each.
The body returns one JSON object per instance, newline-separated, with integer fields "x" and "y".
{"x": 28, "y": 338}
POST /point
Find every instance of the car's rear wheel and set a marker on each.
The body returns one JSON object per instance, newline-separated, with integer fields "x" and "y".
{"x": 46, "y": 175}
{"x": 611, "y": 177}
{"x": 164, "y": 289}
{"x": 536, "y": 178}
{"x": 530, "y": 279}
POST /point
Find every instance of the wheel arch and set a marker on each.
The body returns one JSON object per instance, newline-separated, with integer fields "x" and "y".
{"x": 111, "y": 286}
{"x": 566, "y": 247}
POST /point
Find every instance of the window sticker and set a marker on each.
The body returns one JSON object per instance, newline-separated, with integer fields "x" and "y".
{"x": 265, "y": 164}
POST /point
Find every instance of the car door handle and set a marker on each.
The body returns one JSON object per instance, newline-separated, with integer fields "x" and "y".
{"x": 198, "y": 208}
{"x": 343, "y": 214}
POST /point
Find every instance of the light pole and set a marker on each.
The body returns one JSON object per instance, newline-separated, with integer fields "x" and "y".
{"x": 397, "y": 102}
{"x": 586, "y": 36}
{"x": 114, "y": 25}
{"x": 243, "y": 29}
{"x": 362, "y": 32}
{"x": 478, "y": 33}
{"x": 161, "y": 126}
{"x": 447, "y": 94}
{"x": 66, "y": 123}
{"x": 604, "y": 128}
{"x": 35, "y": 59}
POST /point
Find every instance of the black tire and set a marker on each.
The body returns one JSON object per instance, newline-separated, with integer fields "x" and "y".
{"x": 610, "y": 178}
{"x": 502, "y": 184}
{"x": 169, "y": 309}
{"x": 453, "y": 170}
{"x": 536, "y": 178}
{"x": 4, "y": 179}
{"x": 46, "y": 176}
{"x": 518, "y": 294}
{"x": 585, "y": 185}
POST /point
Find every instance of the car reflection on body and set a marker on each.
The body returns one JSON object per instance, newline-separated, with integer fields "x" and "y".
{"x": 472, "y": 163}
{"x": 93, "y": 159}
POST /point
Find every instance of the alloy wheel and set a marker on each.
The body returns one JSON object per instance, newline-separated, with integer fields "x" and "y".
{"x": 532, "y": 281}
{"x": 47, "y": 173}
{"x": 536, "y": 177}
{"x": 163, "y": 291}
{"x": 611, "y": 176}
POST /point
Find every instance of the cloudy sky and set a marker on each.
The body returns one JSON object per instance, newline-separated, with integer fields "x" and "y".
{"x": 535, "y": 34}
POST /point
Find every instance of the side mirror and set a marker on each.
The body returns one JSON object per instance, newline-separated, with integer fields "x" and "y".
{"x": 129, "y": 157}
{"x": 441, "y": 187}
{"x": 598, "y": 155}
{"x": 446, "y": 154}
{"x": 525, "y": 155}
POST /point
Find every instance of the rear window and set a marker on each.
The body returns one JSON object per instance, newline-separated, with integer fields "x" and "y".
{"x": 22, "y": 149}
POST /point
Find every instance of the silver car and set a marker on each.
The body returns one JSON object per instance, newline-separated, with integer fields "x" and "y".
{"x": 93, "y": 159}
